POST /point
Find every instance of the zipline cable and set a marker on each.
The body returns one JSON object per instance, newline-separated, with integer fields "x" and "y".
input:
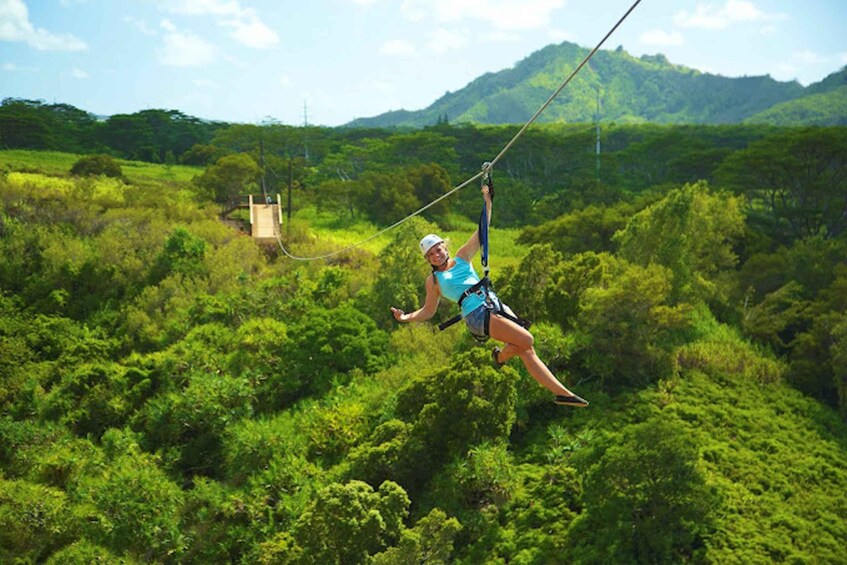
{"x": 490, "y": 164}
{"x": 564, "y": 84}
{"x": 379, "y": 233}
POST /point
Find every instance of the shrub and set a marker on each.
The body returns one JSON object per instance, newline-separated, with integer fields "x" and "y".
{"x": 96, "y": 165}
{"x": 430, "y": 541}
{"x": 328, "y": 344}
{"x": 251, "y": 444}
{"x": 647, "y": 499}
{"x": 83, "y": 552}
{"x": 135, "y": 507}
{"x": 625, "y": 324}
{"x": 90, "y": 399}
{"x": 193, "y": 420}
{"x": 348, "y": 522}
{"x": 34, "y": 521}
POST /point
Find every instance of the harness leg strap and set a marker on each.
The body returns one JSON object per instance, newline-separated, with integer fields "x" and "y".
{"x": 455, "y": 319}
{"x": 523, "y": 322}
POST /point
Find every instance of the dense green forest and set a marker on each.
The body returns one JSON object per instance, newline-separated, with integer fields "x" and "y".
{"x": 173, "y": 391}
{"x": 156, "y": 136}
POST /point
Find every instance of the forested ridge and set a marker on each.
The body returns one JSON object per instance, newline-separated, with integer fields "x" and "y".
{"x": 174, "y": 391}
{"x": 629, "y": 90}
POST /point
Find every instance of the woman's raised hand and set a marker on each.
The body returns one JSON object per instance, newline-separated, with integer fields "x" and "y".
{"x": 486, "y": 194}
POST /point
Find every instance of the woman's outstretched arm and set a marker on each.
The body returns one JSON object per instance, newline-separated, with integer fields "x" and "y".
{"x": 469, "y": 249}
{"x": 426, "y": 311}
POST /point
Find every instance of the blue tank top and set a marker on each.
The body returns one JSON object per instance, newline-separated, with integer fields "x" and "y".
{"x": 455, "y": 281}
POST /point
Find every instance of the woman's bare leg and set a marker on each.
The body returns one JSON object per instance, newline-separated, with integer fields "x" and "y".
{"x": 519, "y": 342}
{"x": 508, "y": 351}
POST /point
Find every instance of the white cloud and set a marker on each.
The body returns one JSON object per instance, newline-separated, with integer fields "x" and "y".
{"x": 384, "y": 87}
{"x": 807, "y": 57}
{"x": 184, "y": 49}
{"x": 397, "y": 48}
{"x": 247, "y": 28}
{"x": 784, "y": 71}
{"x": 15, "y": 26}
{"x": 414, "y": 10}
{"x": 662, "y": 38}
{"x": 442, "y": 40}
{"x": 203, "y": 7}
{"x": 496, "y": 14}
{"x": 14, "y": 68}
{"x": 530, "y": 14}
{"x": 804, "y": 65}
{"x": 140, "y": 25}
{"x": 284, "y": 80}
{"x": 235, "y": 61}
{"x": 843, "y": 58}
{"x": 496, "y": 36}
{"x": 710, "y": 16}
{"x": 252, "y": 33}
{"x": 78, "y": 73}
{"x": 205, "y": 84}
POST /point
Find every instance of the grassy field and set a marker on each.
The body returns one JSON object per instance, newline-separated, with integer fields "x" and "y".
{"x": 55, "y": 163}
{"x": 335, "y": 233}
{"x": 329, "y": 231}
{"x": 47, "y": 162}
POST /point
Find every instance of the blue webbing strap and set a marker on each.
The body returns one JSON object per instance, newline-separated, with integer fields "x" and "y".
{"x": 483, "y": 218}
{"x": 483, "y": 238}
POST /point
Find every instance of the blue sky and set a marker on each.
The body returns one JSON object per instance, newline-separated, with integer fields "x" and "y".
{"x": 331, "y": 61}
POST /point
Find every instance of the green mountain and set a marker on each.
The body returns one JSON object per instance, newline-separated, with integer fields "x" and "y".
{"x": 631, "y": 90}
{"x": 833, "y": 82}
{"x": 825, "y": 103}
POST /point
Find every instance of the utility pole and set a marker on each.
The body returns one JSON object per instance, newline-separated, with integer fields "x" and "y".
{"x": 262, "y": 163}
{"x": 288, "y": 211}
{"x": 305, "y": 125}
{"x": 597, "y": 123}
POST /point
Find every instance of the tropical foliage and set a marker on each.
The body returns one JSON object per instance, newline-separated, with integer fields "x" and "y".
{"x": 172, "y": 391}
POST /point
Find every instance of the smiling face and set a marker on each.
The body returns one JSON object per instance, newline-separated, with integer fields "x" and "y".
{"x": 437, "y": 255}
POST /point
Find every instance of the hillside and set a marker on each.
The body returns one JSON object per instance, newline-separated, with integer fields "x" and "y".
{"x": 824, "y": 109}
{"x": 825, "y": 103}
{"x": 632, "y": 90}
{"x": 833, "y": 82}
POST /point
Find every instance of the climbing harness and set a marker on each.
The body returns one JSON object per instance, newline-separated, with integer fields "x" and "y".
{"x": 484, "y": 288}
{"x": 483, "y": 172}
{"x": 492, "y": 305}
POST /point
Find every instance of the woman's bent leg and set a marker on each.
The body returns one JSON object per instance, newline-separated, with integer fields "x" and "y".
{"x": 519, "y": 342}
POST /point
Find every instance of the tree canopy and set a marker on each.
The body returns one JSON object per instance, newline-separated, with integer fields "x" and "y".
{"x": 173, "y": 391}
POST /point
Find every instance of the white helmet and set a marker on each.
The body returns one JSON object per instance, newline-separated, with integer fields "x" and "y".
{"x": 428, "y": 242}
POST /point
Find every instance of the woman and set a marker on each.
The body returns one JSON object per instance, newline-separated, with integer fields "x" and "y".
{"x": 451, "y": 278}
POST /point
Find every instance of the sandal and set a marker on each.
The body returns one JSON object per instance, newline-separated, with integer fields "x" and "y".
{"x": 495, "y": 353}
{"x": 574, "y": 400}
